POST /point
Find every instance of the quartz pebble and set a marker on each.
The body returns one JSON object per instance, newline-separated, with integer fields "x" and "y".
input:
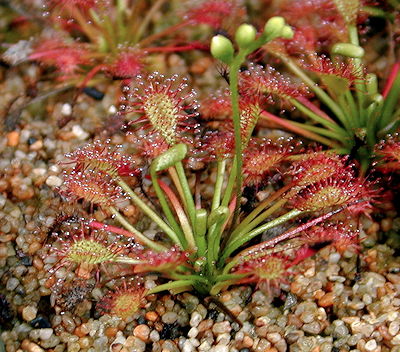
{"x": 142, "y": 332}
{"x": 54, "y": 181}
{"x": 29, "y": 313}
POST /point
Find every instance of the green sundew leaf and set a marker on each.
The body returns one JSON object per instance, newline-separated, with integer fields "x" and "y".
{"x": 348, "y": 9}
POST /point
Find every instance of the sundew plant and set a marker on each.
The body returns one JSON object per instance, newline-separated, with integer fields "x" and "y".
{"x": 204, "y": 240}
{"x": 96, "y": 40}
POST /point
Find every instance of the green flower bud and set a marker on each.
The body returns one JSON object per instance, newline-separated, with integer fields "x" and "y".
{"x": 287, "y": 32}
{"x": 245, "y": 35}
{"x": 349, "y": 50}
{"x": 273, "y": 27}
{"x": 222, "y": 49}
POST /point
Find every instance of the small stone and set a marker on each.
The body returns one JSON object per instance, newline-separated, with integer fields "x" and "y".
{"x": 151, "y": 316}
{"x": 247, "y": 342}
{"x": 169, "y": 318}
{"x": 111, "y": 331}
{"x": 36, "y": 146}
{"x": 222, "y": 327}
{"x": 394, "y": 328}
{"x": 29, "y": 313}
{"x": 396, "y": 340}
{"x": 154, "y": 336}
{"x": 79, "y": 132}
{"x": 195, "y": 319}
{"x": 82, "y": 330}
{"x": 193, "y": 332}
{"x": 23, "y": 192}
{"x": 45, "y": 334}
{"x": 371, "y": 346}
{"x": 312, "y": 328}
{"x": 12, "y": 284}
{"x": 66, "y": 109}
{"x": 326, "y": 300}
{"x": 54, "y": 181}
{"x": 13, "y": 138}
{"x": 142, "y": 331}
{"x": 274, "y": 337}
{"x": 205, "y": 325}
{"x": 29, "y": 346}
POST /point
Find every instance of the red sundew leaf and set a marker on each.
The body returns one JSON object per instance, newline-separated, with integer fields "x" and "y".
{"x": 101, "y": 156}
{"x": 213, "y": 12}
{"x": 217, "y": 145}
{"x": 339, "y": 76}
{"x": 86, "y": 248}
{"x": 65, "y": 57}
{"x": 389, "y": 151}
{"x": 92, "y": 186}
{"x": 264, "y": 158}
{"x": 268, "y": 82}
{"x": 164, "y": 262}
{"x": 216, "y": 107}
{"x": 269, "y": 270}
{"x": 316, "y": 167}
{"x": 338, "y": 190}
{"x": 341, "y": 235}
{"x": 127, "y": 64}
{"x": 163, "y": 104}
{"x": 125, "y": 301}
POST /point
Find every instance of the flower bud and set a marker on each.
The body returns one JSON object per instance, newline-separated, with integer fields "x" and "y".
{"x": 349, "y": 50}
{"x": 245, "y": 35}
{"x": 273, "y": 27}
{"x": 222, "y": 49}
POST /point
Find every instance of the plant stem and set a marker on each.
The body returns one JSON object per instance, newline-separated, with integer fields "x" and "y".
{"x": 258, "y": 220}
{"x": 331, "y": 125}
{"x": 146, "y": 20}
{"x": 139, "y": 236}
{"x": 150, "y": 39}
{"x": 289, "y": 125}
{"x": 260, "y": 207}
{"x": 166, "y": 209}
{"x": 230, "y": 248}
{"x": 233, "y": 85}
{"x": 229, "y": 187}
{"x": 221, "y": 164}
{"x": 325, "y": 98}
{"x": 148, "y": 211}
{"x": 187, "y": 193}
{"x": 390, "y": 102}
{"x": 187, "y": 230}
{"x": 170, "y": 286}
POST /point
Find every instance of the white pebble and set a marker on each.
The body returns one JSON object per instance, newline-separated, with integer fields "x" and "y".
{"x": 394, "y": 327}
{"x": 112, "y": 109}
{"x": 193, "y": 332}
{"x": 66, "y": 109}
{"x": 79, "y": 132}
{"x": 371, "y": 346}
{"x": 45, "y": 334}
{"x": 195, "y": 319}
{"x": 53, "y": 181}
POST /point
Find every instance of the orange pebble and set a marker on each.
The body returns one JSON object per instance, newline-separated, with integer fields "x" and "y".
{"x": 13, "y": 138}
